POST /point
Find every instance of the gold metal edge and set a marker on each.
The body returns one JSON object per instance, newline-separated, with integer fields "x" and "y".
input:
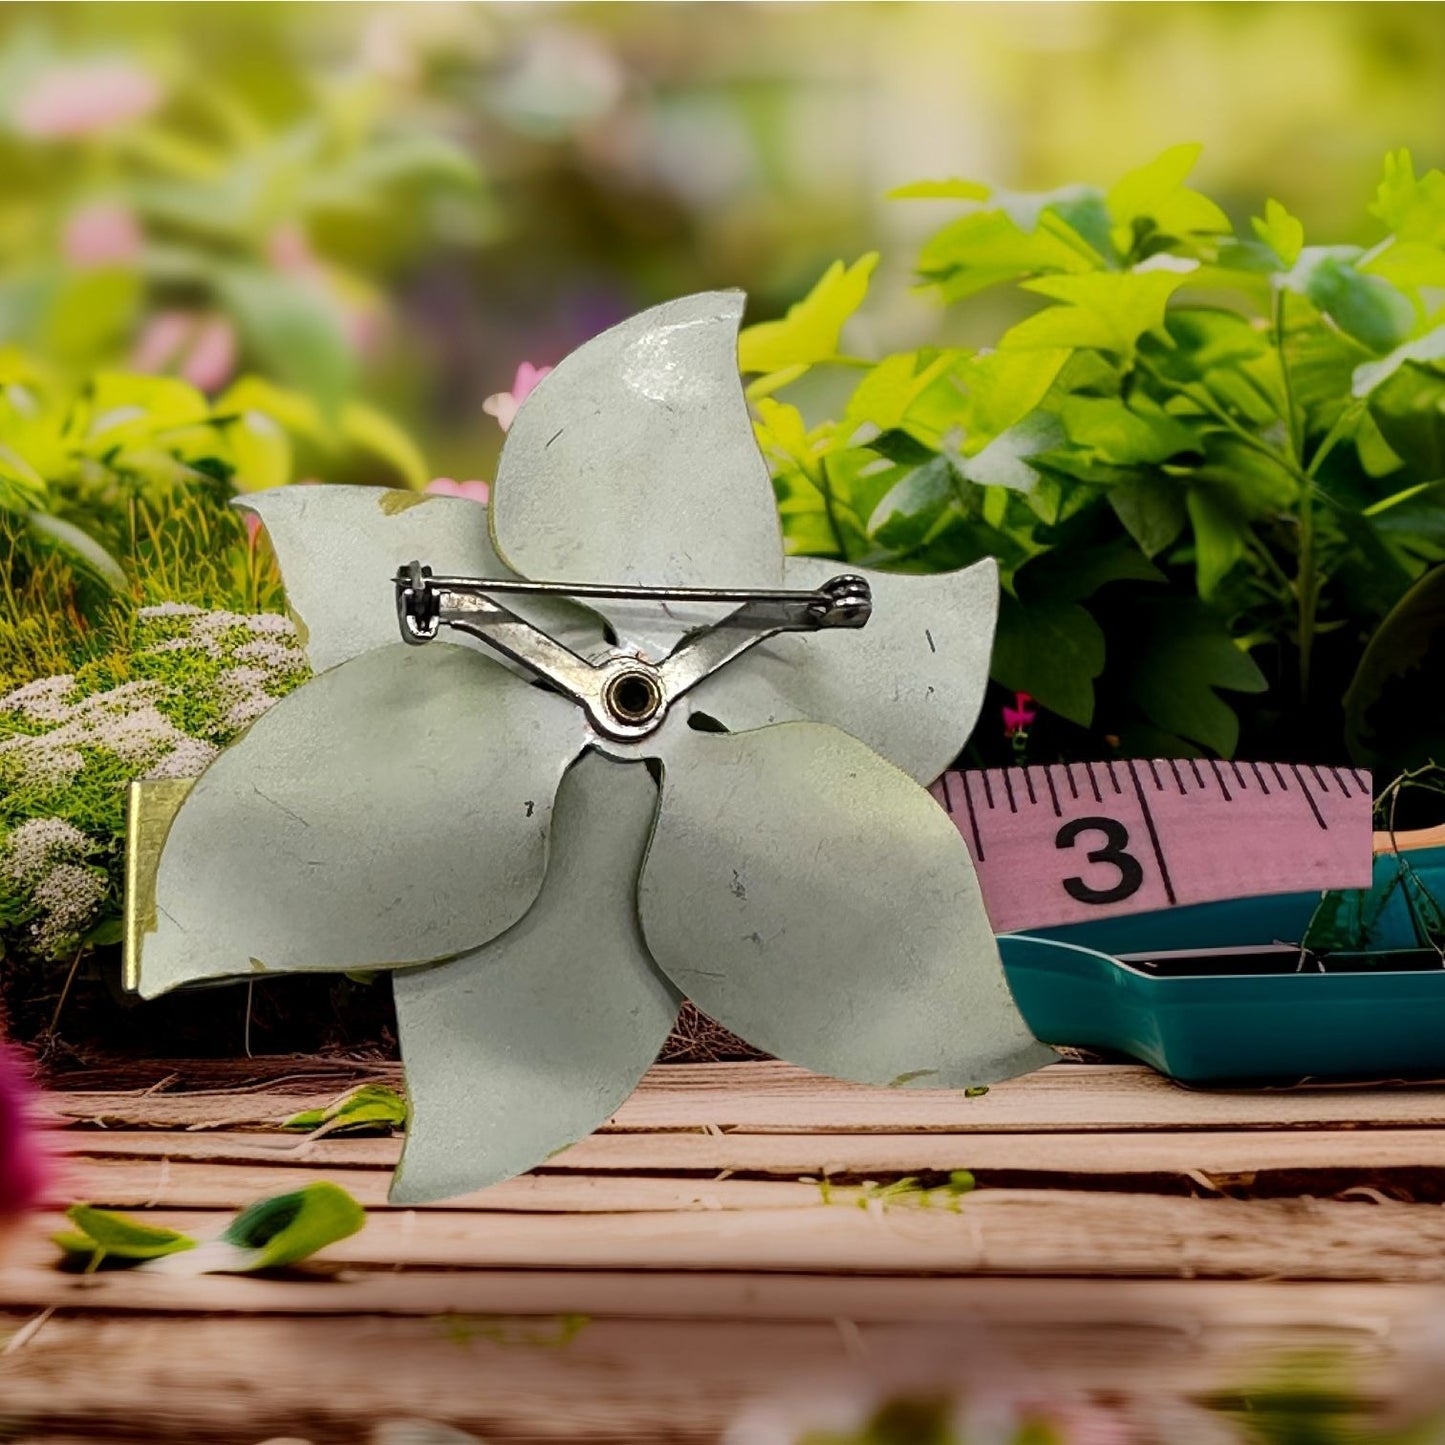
{"x": 151, "y": 808}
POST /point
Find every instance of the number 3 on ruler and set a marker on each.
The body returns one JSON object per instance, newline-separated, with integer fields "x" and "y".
{"x": 1113, "y": 851}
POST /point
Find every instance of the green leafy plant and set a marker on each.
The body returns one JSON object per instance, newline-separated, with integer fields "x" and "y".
{"x": 270, "y": 1234}
{"x": 369, "y": 1109}
{"x": 205, "y": 207}
{"x": 1209, "y": 465}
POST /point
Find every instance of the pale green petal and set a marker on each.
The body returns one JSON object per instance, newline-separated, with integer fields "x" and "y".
{"x": 339, "y": 547}
{"x": 518, "y": 1049}
{"x": 391, "y": 811}
{"x": 634, "y": 462}
{"x": 909, "y": 684}
{"x": 816, "y": 901}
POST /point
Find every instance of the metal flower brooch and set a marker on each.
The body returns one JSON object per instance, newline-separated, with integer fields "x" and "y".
{"x": 644, "y": 757}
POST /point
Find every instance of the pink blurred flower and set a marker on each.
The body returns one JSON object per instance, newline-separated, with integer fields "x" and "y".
{"x": 212, "y": 360}
{"x": 82, "y": 97}
{"x": 22, "y": 1160}
{"x": 202, "y": 349}
{"x": 504, "y": 404}
{"x": 446, "y": 487}
{"x": 1020, "y": 717}
{"x": 289, "y": 249}
{"x": 104, "y": 233}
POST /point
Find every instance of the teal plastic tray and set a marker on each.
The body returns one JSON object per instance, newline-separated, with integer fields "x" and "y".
{"x": 1372, "y": 1021}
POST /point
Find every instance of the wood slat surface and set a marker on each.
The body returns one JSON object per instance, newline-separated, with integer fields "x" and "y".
{"x": 778, "y": 1097}
{"x": 603, "y": 1379}
{"x": 1007, "y": 1232}
{"x": 1225, "y": 1153}
{"x": 1130, "y": 1236}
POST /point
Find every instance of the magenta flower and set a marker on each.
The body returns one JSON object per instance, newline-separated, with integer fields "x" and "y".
{"x": 504, "y": 404}
{"x": 446, "y": 487}
{"x": 81, "y": 98}
{"x": 104, "y": 233}
{"x": 1020, "y": 717}
{"x": 22, "y": 1161}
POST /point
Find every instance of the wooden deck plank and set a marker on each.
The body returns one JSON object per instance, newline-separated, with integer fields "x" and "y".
{"x": 1207, "y": 1152}
{"x": 778, "y": 1097}
{"x": 200, "y": 1380}
{"x": 135, "y": 1183}
{"x": 1000, "y": 1232}
{"x": 1367, "y": 1308}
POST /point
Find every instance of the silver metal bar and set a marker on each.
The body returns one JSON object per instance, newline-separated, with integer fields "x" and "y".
{"x": 624, "y": 697}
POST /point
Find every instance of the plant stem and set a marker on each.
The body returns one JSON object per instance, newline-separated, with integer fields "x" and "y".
{"x": 1307, "y": 581}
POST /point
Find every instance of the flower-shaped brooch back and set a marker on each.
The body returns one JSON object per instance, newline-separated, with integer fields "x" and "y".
{"x": 644, "y": 757}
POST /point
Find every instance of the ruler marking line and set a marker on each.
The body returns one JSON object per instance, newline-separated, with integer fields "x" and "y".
{"x": 1219, "y": 778}
{"x": 1109, "y": 768}
{"x": 1053, "y": 794}
{"x": 1153, "y": 836}
{"x": 1154, "y": 773}
{"x": 1344, "y": 786}
{"x": 1029, "y": 784}
{"x": 1309, "y": 797}
{"x": 1008, "y": 788}
{"x": 972, "y": 820}
{"x": 1198, "y": 776}
{"x": 1279, "y": 777}
{"x": 1238, "y": 776}
{"x": 1178, "y": 777}
{"x": 1093, "y": 782}
{"x": 1073, "y": 786}
{"x": 1324, "y": 786}
{"x": 1259, "y": 778}
{"x": 987, "y": 791}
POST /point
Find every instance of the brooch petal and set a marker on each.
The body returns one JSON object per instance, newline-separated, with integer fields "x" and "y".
{"x": 816, "y": 901}
{"x": 528, "y": 1044}
{"x": 909, "y": 684}
{"x": 392, "y": 811}
{"x": 338, "y": 548}
{"x": 634, "y": 463}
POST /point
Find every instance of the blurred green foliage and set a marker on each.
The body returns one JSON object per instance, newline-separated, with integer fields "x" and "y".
{"x": 1209, "y": 465}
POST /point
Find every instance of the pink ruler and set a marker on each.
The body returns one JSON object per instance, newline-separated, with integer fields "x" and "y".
{"x": 1070, "y": 842}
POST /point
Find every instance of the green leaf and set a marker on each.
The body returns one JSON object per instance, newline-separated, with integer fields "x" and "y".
{"x": 364, "y": 426}
{"x": 949, "y": 190}
{"x": 1052, "y": 649}
{"x": 1409, "y": 409}
{"x": 1364, "y": 306}
{"x": 1004, "y": 462}
{"x": 370, "y": 1109}
{"x": 908, "y": 510}
{"x": 983, "y": 249}
{"x": 288, "y": 1228}
{"x": 260, "y": 452}
{"x": 1220, "y": 535}
{"x": 80, "y": 547}
{"x": 1181, "y": 656}
{"x": 1125, "y": 434}
{"x": 1426, "y": 348}
{"x": 127, "y": 407}
{"x": 1152, "y": 509}
{"x": 810, "y": 332}
{"x": 102, "y": 1233}
{"x": 1393, "y": 721}
{"x": 1280, "y": 231}
{"x": 1413, "y": 519}
{"x": 293, "y": 330}
{"x": 1413, "y": 209}
{"x": 1106, "y": 310}
{"x": 1156, "y": 192}
{"x": 1002, "y": 387}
